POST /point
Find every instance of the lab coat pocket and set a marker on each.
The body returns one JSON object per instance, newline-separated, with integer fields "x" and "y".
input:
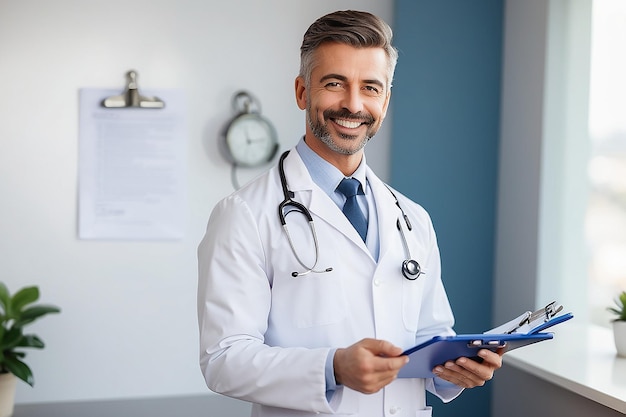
{"x": 427, "y": 412}
{"x": 310, "y": 298}
{"x": 318, "y": 300}
{"x": 412, "y": 293}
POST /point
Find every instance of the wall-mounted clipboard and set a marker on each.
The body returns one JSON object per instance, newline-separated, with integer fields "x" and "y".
{"x": 132, "y": 164}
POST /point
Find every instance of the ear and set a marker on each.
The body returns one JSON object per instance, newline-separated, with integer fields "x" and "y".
{"x": 386, "y": 104}
{"x": 301, "y": 93}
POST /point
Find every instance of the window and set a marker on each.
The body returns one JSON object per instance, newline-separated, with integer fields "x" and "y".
{"x": 582, "y": 243}
{"x": 605, "y": 220}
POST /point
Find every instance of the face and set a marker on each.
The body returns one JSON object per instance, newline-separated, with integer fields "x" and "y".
{"x": 347, "y": 99}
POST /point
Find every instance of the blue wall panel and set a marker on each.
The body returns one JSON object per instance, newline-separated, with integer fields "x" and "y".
{"x": 446, "y": 109}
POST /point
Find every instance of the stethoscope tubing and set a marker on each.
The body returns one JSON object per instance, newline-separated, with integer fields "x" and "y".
{"x": 411, "y": 269}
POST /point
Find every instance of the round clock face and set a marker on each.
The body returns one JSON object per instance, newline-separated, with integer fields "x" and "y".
{"x": 251, "y": 140}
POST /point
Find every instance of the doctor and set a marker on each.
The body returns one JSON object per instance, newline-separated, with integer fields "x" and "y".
{"x": 311, "y": 318}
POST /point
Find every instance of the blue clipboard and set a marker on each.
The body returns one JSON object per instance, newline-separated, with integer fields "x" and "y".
{"x": 440, "y": 349}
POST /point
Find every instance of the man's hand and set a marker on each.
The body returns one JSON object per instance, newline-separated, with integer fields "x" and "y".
{"x": 368, "y": 365}
{"x": 468, "y": 373}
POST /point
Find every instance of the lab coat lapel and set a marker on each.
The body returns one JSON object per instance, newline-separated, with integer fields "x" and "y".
{"x": 317, "y": 201}
{"x": 322, "y": 206}
{"x": 388, "y": 214}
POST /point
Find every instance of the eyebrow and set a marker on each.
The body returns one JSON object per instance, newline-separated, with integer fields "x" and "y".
{"x": 344, "y": 78}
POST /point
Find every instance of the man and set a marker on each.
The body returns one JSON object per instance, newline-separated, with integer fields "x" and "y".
{"x": 312, "y": 317}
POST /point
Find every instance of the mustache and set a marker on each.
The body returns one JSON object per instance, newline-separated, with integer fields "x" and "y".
{"x": 345, "y": 114}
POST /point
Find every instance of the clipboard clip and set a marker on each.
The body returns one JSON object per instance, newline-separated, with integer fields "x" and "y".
{"x": 529, "y": 321}
{"x": 131, "y": 97}
{"x": 542, "y": 315}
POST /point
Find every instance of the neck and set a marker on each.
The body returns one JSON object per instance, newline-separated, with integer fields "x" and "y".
{"x": 347, "y": 164}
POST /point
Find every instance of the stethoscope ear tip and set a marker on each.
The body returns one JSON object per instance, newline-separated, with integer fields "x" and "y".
{"x": 296, "y": 274}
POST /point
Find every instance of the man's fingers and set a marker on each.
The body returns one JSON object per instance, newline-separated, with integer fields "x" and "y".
{"x": 382, "y": 347}
{"x": 368, "y": 365}
{"x": 467, "y": 373}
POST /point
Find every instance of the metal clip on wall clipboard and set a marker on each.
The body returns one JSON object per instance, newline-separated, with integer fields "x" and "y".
{"x": 523, "y": 330}
{"x": 131, "y": 97}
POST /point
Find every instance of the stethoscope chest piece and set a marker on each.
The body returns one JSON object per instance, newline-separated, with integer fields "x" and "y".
{"x": 411, "y": 269}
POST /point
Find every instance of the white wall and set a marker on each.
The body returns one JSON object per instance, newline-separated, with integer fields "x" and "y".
{"x": 521, "y": 128}
{"x": 536, "y": 185}
{"x": 543, "y": 143}
{"x": 128, "y": 325}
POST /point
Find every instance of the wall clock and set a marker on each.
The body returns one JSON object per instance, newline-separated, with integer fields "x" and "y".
{"x": 249, "y": 139}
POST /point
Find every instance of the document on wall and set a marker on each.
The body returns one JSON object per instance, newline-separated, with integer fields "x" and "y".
{"x": 132, "y": 172}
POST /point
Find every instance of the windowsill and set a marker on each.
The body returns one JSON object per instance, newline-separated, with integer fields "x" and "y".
{"x": 582, "y": 359}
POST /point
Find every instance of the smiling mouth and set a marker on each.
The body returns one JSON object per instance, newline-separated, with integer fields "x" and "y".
{"x": 350, "y": 124}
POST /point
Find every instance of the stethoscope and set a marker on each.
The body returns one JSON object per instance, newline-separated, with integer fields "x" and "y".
{"x": 411, "y": 269}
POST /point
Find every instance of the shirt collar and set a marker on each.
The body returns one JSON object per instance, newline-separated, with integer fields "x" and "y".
{"x": 323, "y": 173}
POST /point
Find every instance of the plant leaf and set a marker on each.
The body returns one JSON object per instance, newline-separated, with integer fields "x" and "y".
{"x": 4, "y": 297}
{"x": 31, "y": 341}
{"x": 11, "y": 339}
{"x": 620, "y": 310}
{"x": 33, "y": 313}
{"x": 18, "y": 368}
{"x": 23, "y": 297}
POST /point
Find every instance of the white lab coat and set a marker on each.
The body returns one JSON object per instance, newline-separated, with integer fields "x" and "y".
{"x": 265, "y": 335}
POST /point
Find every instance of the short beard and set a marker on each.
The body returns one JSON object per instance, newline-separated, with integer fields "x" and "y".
{"x": 320, "y": 130}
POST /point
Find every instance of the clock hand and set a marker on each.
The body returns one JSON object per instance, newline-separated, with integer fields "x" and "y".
{"x": 248, "y": 140}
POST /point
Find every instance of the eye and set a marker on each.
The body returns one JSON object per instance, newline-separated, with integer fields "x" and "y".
{"x": 372, "y": 90}
{"x": 334, "y": 86}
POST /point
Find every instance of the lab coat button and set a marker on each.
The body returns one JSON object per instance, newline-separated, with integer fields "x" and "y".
{"x": 394, "y": 410}
{"x": 377, "y": 282}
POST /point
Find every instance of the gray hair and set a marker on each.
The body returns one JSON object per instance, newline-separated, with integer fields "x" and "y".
{"x": 354, "y": 28}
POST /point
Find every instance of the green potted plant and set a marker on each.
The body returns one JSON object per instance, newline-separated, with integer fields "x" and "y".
{"x": 16, "y": 312}
{"x": 619, "y": 323}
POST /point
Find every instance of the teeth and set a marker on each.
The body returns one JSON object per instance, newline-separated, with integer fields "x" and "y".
{"x": 348, "y": 123}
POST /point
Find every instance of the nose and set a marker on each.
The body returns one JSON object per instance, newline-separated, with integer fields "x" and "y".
{"x": 352, "y": 99}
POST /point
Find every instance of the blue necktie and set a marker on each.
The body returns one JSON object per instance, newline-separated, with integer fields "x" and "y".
{"x": 350, "y": 188}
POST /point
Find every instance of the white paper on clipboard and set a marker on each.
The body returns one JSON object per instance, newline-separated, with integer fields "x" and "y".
{"x": 132, "y": 169}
